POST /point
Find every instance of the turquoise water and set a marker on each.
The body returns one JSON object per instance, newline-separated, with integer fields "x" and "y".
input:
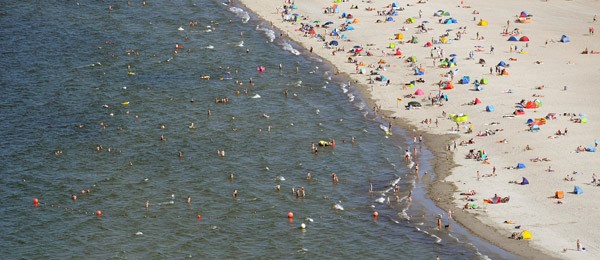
{"x": 65, "y": 75}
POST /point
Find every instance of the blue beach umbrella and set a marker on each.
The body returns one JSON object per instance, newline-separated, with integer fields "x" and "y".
{"x": 328, "y": 23}
{"x": 333, "y": 43}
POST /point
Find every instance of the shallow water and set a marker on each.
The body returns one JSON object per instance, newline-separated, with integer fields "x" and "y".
{"x": 62, "y": 62}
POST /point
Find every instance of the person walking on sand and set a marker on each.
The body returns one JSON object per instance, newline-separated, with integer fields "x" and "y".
{"x": 578, "y": 245}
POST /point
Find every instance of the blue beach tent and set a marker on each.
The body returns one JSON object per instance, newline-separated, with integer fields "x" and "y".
{"x": 565, "y": 38}
{"x": 489, "y": 108}
{"x": 577, "y": 190}
{"x": 513, "y": 39}
{"x": 520, "y": 166}
{"x": 525, "y": 181}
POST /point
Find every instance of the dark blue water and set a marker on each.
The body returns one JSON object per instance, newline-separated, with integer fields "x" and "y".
{"x": 67, "y": 71}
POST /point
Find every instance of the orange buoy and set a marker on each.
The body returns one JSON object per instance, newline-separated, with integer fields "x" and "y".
{"x": 36, "y": 202}
{"x": 98, "y": 213}
{"x": 290, "y": 215}
{"x": 198, "y": 216}
{"x": 375, "y": 214}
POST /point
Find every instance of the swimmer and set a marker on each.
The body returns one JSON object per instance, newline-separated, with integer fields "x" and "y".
{"x": 189, "y": 200}
{"x": 180, "y": 154}
{"x": 309, "y": 176}
{"x": 231, "y": 176}
{"x": 74, "y": 197}
{"x": 235, "y": 193}
{"x": 147, "y": 203}
{"x": 334, "y": 177}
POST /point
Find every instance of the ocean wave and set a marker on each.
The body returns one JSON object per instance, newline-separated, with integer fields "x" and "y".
{"x": 268, "y": 32}
{"x": 288, "y": 47}
{"x": 239, "y": 12}
{"x": 350, "y": 97}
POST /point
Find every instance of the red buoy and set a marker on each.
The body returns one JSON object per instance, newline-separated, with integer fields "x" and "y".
{"x": 198, "y": 216}
{"x": 290, "y": 215}
{"x": 36, "y": 202}
{"x": 98, "y": 213}
{"x": 375, "y": 214}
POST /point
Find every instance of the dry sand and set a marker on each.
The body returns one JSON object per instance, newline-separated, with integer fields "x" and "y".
{"x": 545, "y": 62}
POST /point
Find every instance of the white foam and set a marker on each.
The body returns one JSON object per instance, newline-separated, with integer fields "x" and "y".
{"x": 256, "y": 96}
{"x": 139, "y": 233}
{"x": 288, "y": 47}
{"x": 239, "y": 12}
{"x": 209, "y": 47}
{"x": 240, "y": 44}
{"x": 268, "y": 32}
{"x": 180, "y": 28}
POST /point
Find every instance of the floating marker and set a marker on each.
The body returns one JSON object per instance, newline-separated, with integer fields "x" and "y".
{"x": 375, "y": 214}
{"x": 36, "y": 202}
{"x": 98, "y": 213}
{"x": 290, "y": 215}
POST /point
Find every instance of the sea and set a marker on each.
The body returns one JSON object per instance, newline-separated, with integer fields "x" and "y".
{"x": 154, "y": 115}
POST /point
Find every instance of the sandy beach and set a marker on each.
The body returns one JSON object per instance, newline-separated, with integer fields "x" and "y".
{"x": 545, "y": 77}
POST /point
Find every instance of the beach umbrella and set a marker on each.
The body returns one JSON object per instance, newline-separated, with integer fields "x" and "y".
{"x": 357, "y": 47}
{"x": 328, "y": 23}
{"x": 452, "y": 55}
{"x": 295, "y": 14}
{"x": 448, "y": 30}
{"x": 425, "y": 22}
{"x": 333, "y": 43}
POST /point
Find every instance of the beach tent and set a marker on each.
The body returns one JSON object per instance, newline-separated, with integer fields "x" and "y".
{"x": 410, "y": 20}
{"x": 389, "y": 19}
{"x": 577, "y": 190}
{"x": 349, "y": 27}
{"x": 444, "y": 40}
{"x": 524, "y": 39}
{"x": 395, "y": 4}
{"x": 524, "y": 181}
{"x": 529, "y": 121}
{"x": 349, "y": 16}
{"x": 399, "y": 36}
{"x": 559, "y": 194}
{"x": 520, "y": 166}
{"x": 428, "y": 44}
{"x": 483, "y": 22}
{"x": 411, "y": 59}
{"x": 484, "y": 81}
{"x": 344, "y": 15}
{"x": 334, "y": 43}
{"x": 565, "y": 38}
{"x": 478, "y": 87}
{"x": 344, "y": 37}
{"x": 392, "y": 45}
{"x": 449, "y": 85}
{"x": 531, "y": 104}
{"x": 465, "y": 80}
{"x": 523, "y": 14}
{"x": 363, "y": 71}
{"x": 489, "y": 108}
{"x": 512, "y": 39}
{"x": 460, "y": 118}
{"x": 334, "y": 32}
{"x": 477, "y": 101}
{"x": 419, "y": 92}
{"x": 527, "y": 234}
{"x": 398, "y": 52}
{"x": 501, "y": 63}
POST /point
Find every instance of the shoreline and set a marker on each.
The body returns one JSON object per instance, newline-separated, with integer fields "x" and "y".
{"x": 445, "y": 163}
